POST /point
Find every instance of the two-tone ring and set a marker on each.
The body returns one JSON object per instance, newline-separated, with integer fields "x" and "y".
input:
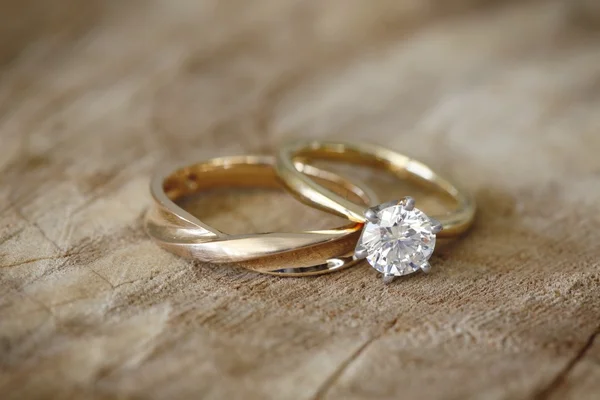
{"x": 397, "y": 238}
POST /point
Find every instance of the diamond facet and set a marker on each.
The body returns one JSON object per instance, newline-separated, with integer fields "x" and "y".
{"x": 399, "y": 241}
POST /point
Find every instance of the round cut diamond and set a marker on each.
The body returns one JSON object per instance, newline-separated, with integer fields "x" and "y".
{"x": 398, "y": 241}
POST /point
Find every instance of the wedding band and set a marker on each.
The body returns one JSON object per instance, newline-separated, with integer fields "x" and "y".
{"x": 397, "y": 239}
{"x": 284, "y": 254}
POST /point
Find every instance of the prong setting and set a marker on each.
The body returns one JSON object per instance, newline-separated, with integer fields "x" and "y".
{"x": 360, "y": 253}
{"x": 426, "y": 267}
{"x": 409, "y": 203}
{"x": 371, "y": 215}
{"x": 436, "y": 226}
{"x": 387, "y": 278}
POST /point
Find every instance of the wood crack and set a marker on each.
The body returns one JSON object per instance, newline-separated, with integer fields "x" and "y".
{"x": 10, "y": 236}
{"x": 343, "y": 367}
{"x": 32, "y": 260}
{"x": 36, "y": 226}
{"x": 561, "y": 377}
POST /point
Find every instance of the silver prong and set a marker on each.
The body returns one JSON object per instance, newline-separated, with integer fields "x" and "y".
{"x": 426, "y": 267}
{"x": 360, "y": 254}
{"x": 388, "y": 278}
{"x": 409, "y": 203}
{"x": 436, "y": 226}
{"x": 371, "y": 216}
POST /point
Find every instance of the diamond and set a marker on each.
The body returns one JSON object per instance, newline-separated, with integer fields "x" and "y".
{"x": 398, "y": 239}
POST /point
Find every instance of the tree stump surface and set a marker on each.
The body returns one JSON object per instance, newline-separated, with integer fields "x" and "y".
{"x": 95, "y": 96}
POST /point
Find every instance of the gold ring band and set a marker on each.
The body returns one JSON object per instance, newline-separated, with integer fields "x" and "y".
{"x": 286, "y": 254}
{"x": 291, "y": 167}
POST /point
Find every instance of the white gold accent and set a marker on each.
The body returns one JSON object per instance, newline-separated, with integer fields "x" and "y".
{"x": 409, "y": 203}
{"x": 426, "y": 267}
{"x": 436, "y": 225}
{"x": 371, "y": 216}
{"x": 360, "y": 254}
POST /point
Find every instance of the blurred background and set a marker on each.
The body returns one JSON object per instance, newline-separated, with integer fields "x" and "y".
{"x": 496, "y": 84}
{"x": 102, "y": 92}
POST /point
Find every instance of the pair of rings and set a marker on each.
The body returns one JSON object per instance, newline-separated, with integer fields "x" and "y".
{"x": 395, "y": 237}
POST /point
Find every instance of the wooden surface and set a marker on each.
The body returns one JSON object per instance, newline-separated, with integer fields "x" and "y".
{"x": 95, "y": 95}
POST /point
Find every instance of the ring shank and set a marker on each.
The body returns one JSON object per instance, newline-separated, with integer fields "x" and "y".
{"x": 286, "y": 253}
{"x": 291, "y": 162}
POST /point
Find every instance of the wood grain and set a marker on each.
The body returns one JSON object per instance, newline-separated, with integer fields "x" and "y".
{"x": 94, "y": 96}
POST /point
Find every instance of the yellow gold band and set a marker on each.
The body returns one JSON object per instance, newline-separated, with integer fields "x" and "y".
{"x": 291, "y": 167}
{"x": 290, "y": 254}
